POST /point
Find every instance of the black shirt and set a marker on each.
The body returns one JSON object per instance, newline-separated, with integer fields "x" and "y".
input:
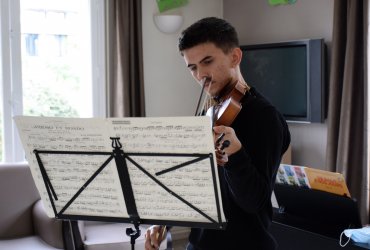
{"x": 248, "y": 179}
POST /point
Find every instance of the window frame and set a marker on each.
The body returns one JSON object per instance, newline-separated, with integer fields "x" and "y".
{"x": 11, "y": 71}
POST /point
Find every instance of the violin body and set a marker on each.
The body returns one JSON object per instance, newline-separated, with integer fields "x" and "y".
{"x": 228, "y": 109}
{"x": 226, "y": 113}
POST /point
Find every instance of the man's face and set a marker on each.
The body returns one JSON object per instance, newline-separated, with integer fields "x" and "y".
{"x": 209, "y": 62}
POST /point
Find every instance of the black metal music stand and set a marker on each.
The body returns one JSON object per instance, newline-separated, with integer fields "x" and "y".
{"x": 120, "y": 158}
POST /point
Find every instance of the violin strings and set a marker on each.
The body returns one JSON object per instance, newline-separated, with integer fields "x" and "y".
{"x": 207, "y": 98}
{"x": 213, "y": 115}
{"x": 197, "y": 112}
{"x": 211, "y": 103}
{"x": 203, "y": 109}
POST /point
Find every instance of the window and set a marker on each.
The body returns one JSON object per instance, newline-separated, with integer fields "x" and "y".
{"x": 30, "y": 41}
{"x": 52, "y": 63}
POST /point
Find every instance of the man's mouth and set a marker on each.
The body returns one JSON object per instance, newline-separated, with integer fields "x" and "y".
{"x": 207, "y": 81}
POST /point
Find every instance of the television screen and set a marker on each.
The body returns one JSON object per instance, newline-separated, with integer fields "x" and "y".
{"x": 284, "y": 73}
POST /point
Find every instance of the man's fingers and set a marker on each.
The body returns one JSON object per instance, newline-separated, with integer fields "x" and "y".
{"x": 152, "y": 238}
{"x": 220, "y": 129}
{"x": 162, "y": 234}
{"x": 148, "y": 242}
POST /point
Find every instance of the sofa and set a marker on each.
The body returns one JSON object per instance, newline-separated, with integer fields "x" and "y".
{"x": 23, "y": 220}
{"x": 25, "y": 225}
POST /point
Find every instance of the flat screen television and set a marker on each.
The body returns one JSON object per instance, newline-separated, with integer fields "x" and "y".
{"x": 290, "y": 75}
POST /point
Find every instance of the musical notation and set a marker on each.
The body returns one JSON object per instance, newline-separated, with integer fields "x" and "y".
{"x": 68, "y": 172}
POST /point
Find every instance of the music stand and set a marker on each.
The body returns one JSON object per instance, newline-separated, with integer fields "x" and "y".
{"x": 122, "y": 159}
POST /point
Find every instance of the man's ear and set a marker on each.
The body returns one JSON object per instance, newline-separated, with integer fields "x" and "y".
{"x": 236, "y": 54}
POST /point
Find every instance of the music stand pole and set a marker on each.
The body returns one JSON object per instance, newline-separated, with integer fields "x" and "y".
{"x": 134, "y": 234}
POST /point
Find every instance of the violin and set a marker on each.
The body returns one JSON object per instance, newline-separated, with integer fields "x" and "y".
{"x": 229, "y": 106}
{"x": 224, "y": 112}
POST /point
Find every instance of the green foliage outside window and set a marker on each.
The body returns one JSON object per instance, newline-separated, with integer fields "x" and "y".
{"x": 47, "y": 102}
{"x": 47, "y": 93}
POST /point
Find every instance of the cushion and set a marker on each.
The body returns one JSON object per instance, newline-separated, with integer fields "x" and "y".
{"x": 49, "y": 229}
{"x": 18, "y": 194}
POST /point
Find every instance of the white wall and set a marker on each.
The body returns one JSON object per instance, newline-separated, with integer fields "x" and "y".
{"x": 170, "y": 90}
{"x": 258, "y": 22}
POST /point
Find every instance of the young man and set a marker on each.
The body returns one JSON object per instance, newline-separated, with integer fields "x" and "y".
{"x": 258, "y": 138}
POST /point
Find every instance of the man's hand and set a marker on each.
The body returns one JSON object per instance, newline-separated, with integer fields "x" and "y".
{"x": 154, "y": 235}
{"x": 223, "y": 150}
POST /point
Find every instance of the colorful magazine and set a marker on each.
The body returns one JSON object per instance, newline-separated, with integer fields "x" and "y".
{"x": 306, "y": 177}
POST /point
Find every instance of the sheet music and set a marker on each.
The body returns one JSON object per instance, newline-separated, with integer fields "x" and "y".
{"x": 69, "y": 172}
{"x": 194, "y": 182}
{"x": 104, "y": 196}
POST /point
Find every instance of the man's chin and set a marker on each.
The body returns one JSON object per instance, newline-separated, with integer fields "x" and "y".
{"x": 212, "y": 94}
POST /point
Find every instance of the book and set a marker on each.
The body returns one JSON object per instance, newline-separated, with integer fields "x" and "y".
{"x": 306, "y": 177}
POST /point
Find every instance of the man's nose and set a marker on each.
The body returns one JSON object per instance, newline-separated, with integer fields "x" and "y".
{"x": 201, "y": 75}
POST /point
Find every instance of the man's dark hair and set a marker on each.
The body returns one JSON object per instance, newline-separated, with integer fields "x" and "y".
{"x": 209, "y": 29}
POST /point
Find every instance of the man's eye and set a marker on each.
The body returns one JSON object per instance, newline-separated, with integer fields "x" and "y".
{"x": 207, "y": 61}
